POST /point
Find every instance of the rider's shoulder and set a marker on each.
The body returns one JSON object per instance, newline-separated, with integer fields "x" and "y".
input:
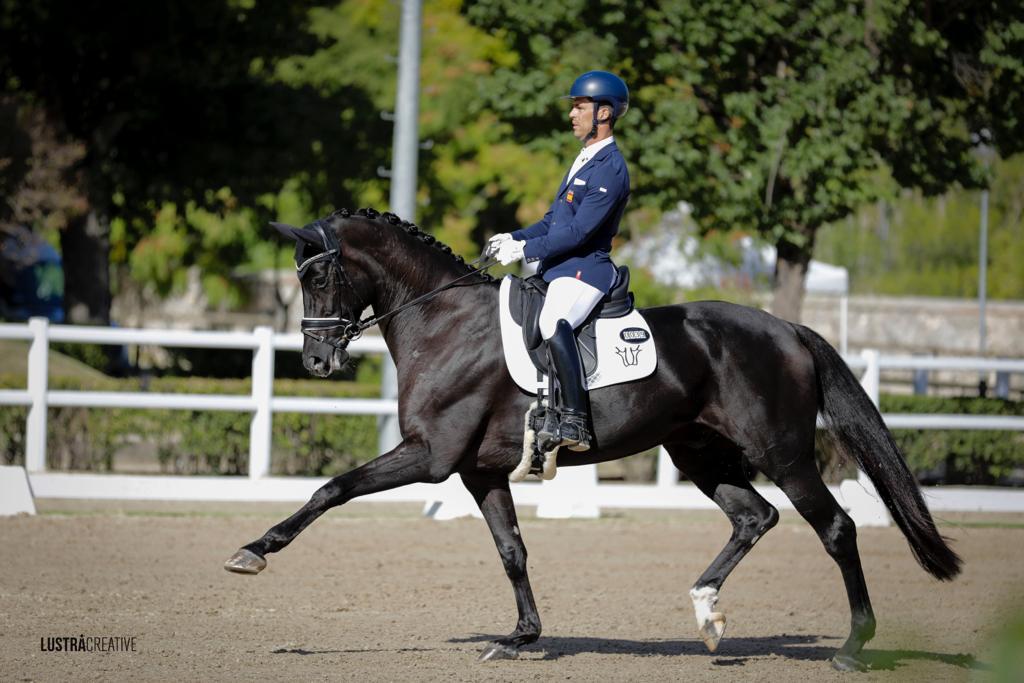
{"x": 612, "y": 162}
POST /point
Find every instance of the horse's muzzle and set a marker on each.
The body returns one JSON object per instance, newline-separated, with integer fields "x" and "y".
{"x": 320, "y": 366}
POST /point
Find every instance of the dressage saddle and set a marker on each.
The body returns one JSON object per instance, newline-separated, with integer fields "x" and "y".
{"x": 526, "y": 299}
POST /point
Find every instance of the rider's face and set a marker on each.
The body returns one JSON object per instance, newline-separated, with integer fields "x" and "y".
{"x": 581, "y": 116}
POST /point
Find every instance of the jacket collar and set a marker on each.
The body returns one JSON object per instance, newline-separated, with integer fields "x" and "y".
{"x": 602, "y": 153}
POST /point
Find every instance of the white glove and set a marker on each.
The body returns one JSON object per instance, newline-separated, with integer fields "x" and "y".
{"x": 510, "y": 251}
{"x": 495, "y": 242}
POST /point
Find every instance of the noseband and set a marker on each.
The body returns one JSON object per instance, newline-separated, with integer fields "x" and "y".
{"x": 314, "y": 328}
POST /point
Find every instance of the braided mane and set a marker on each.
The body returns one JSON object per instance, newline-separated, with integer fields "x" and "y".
{"x": 412, "y": 230}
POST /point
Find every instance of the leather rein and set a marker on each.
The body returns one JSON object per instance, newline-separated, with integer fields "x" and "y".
{"x": 314, "y": 328}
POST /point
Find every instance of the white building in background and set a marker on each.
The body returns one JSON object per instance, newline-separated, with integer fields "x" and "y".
{"x": 674, "y": 256}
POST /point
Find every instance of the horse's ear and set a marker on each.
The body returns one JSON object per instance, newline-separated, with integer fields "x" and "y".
{"x": 285, "y": 229}
{"x": 299, "y": 234}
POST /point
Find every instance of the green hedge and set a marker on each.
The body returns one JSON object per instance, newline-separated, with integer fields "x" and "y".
{"x": 213, "y": 442}
{"x": 195, "y": 442}
{"x": 960, "y": 456}
{"x": 948, "y": 456}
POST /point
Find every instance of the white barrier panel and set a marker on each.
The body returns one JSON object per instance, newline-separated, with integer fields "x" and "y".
{"x": 15, "y": 494}
{"x": 683, "y": 496}
{"x": 572, "y": 493}
{"x": 860, "y": 498}
{"x": 974, "y": 499}
{"x": 451, "y": 500}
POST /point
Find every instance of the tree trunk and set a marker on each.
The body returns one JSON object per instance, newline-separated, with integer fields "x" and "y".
{"x": 85, "y": 251}
{"x": 791, "y": 264}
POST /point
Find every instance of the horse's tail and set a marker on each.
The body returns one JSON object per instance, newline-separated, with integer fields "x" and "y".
{"x": 858, "y": 430}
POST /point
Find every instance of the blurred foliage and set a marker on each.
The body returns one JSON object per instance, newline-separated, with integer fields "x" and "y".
{"x": 929, "y": 246}
{"x": 185, "y": 126}
{"x": 189, "y": 142}
{"x": 946, "y": 456}
{"x": 37, "y": 162}
{"x": 774, "y": 117}
{"x": 1008, "y": 656}
{"x": 965, "y": 456}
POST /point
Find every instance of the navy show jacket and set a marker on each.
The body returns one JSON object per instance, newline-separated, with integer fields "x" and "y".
{"x": 575, "y": 236}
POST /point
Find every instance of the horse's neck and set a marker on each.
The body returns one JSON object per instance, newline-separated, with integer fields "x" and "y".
{"x": 401, "y": 279}
{"x": 402, "y": 271}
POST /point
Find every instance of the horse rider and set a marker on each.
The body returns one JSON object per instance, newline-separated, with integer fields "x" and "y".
{"x": 573, "y": 240}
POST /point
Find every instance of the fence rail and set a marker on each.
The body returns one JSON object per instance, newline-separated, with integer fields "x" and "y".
{"x": 262, "y": 403}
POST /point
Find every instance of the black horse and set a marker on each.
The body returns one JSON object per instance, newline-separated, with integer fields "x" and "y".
{"x": 734, "y": 385}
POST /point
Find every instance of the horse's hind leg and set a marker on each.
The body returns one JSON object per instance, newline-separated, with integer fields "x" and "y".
{"x": 801, "y": 482}
{"x": 495, "y": 500}
{"x": 408, "y": 463}
{"x": 720, "y": 477}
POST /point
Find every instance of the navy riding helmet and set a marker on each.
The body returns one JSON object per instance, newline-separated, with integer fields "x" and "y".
{"x": 602, "y": 87}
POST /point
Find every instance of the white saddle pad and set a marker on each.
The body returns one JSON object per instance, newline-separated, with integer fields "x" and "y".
{"x": 625, "y": 349}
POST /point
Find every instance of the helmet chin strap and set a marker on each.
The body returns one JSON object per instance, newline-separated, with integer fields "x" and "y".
{"x": 593, "y": 128}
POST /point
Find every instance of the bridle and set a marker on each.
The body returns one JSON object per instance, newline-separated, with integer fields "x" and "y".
{"x": 315, "y": 328}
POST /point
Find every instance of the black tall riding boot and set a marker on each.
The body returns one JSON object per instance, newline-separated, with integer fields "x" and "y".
{"x": 573, "y": 429}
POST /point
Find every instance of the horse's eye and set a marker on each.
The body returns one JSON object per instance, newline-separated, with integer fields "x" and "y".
{"x": 320, "y": 281}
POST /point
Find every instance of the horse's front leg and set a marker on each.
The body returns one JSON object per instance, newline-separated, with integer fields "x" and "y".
{"x": 410, "y": 462}
{"x": 495, "y": 500}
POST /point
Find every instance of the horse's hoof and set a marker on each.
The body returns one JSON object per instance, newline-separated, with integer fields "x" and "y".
{"x": 712, "y": 630}
{"x": 841, "y": 662}
{"x": 496, "y": 651}
{"x": 245, "y": 562}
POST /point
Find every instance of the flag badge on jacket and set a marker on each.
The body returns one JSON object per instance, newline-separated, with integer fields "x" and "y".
{"x": 568, "y": 196}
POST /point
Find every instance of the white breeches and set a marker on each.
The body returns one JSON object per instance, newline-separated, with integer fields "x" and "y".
{"x": 568, "y": 299}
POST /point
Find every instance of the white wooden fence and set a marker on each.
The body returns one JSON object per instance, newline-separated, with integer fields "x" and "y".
{"x": 575, "y": 492}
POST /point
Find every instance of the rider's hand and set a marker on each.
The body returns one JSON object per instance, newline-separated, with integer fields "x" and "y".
{"x": 510, "y": 251}
{"x": 495, "y": 243}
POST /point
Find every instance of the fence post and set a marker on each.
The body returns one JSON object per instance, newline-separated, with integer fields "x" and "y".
{"x": 860, "y": 496}
{"x": 38, "y": 383}
{"x": 667, "y": 474}
{"x": 388, "y": 433}
{"x": 844, "y": 324}
{"x": 260, "y": 430}
{"x": 871, "y": 381}
{"x": 920, "y": 382}
{"x": 1002, "y": 384}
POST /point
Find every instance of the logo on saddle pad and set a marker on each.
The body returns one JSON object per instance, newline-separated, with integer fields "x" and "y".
{"x": 634, "y": 335}
{"x": 629, "y": 355}
{"x": 614, "y": 364}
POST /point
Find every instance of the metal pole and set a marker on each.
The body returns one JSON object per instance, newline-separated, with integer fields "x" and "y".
{"x": 983, "y": 286}
{"x": 405, "y": 150}
{"x": 404, "y": 159}
{"x": 844, "y": 324}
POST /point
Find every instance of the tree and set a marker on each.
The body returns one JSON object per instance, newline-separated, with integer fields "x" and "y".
{"x": 174, "y": 102}
{"x": 929, "y": 247}
{"x": 474, "y": 174}
{"x": 775, "y": 117}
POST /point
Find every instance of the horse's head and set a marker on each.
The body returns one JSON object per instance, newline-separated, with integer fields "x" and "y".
{"x": 330, "y": 303}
